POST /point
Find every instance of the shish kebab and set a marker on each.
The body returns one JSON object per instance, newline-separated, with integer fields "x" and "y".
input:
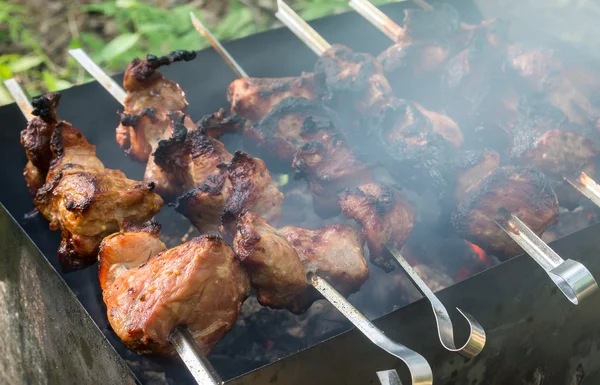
{"x": 476, "y": 340}
{"x": 260, "y": 246}
{"x": 120, "y": 256}
{"x": 547, "y": 152}
{"x": 132, "y": 257}
{"x": 559, "y": 270}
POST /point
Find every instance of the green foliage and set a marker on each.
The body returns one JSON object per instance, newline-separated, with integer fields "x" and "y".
{"x": 141, "y": 28}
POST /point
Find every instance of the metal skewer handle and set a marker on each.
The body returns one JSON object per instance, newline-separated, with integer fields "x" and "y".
{"x": 477, "y": 337}
{"x": 301, "y": 29}
{"x": 419, "y": 368}
{"x": 389, "y": 377}
{"x": 571, "y": 277}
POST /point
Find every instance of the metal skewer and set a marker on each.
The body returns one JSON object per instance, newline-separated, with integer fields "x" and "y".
{"x": 476, "y": 340}
{"x": 419, "y": 368}
{"x": 477, "y": 337}
{"x": 180, "y": 338}
{"x": 571, "y": 277}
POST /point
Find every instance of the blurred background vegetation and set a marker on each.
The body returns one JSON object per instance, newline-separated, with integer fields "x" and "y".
{"x": 35, "y": 34}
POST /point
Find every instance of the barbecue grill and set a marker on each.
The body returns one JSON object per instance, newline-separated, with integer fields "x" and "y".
{"x": 534, "y": 334}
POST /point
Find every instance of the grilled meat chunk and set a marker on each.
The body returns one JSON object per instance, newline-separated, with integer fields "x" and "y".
{"x": 150, "y": 96}
{"x": 35, "y": 138}
{"x": 525, "y": 192}
{"x": 330, "y": 166}
{"x": 167, "y": 184}
{"x": 251, "y": 188}
{"x": 190, "y": 157}
{"x": 86, "y": 201}
{"x": 541, "y": 71}
{"x": 219, "y": 123}
{"x": 148, "y": 291}
{"x": 279, "y": 260}
{"x": 543, "y": 137}
{"x": 333, "y": 252}
{"x": 253, "y": 98}
{"x": 355, "y": 81}
{"x": 472, "y": 167}
{"x": 289, "y": 125}
{"x": 275, "y": 269}
{"x": 384, "y": 216}
{"x": 203, "y": 205}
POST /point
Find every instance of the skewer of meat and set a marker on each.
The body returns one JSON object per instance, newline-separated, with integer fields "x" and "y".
{"x": 540, "y": 138}
{"x": 219, "y": 184}
{"x": 297, "y": 243}
{"x": 421, "y": 369}
{"x": 71, "y": 187}
{"x": 385, "y": 218}
{"x": 121, "y": 252}
{"x": 302, "y": 129}
{"x": 505, "y": 217}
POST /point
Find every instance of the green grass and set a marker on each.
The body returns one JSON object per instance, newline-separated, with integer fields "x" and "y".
{"x": 142, "y": 29}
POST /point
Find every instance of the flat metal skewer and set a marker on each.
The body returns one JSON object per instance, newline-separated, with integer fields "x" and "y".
{"x": 587, "y": 186}
{"x": 477, "y": 337}
{"x": 420, "y": 371}
{"x": 389, "y": 377}
{"x": 97, "y": 73}
{"x": 379, "y": 19}
{"x": 182, "y": 341}
{"x": 572, "y": 278}
{"x": 419, "y": 368}
{"x": 234, "y": 65}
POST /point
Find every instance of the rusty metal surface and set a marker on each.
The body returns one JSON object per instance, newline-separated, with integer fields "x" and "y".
{"x": 46, "y": 337}
{"x": 535, "y": 335}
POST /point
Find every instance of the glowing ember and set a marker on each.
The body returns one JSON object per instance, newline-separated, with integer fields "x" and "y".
{"x": 481, "y": 254}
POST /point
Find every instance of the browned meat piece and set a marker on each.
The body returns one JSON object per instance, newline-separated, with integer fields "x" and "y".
{"x": 189, "y": 157}
{"x": 148, "y": 291}
{"x": 275, "y": 269}
{"x": 139, "y": 133}
{"x": 203, "y": 205}
{"x": 474, "y": 166}
{"x": 253, "y": 98}
{"x": 35, "y": 138}
{"x": 167, "y": 184}
{"x": 147, "y": 88}
{"x": 333, "y": 252}
{"x": 289, "y": 125}
{"x": 525, "y": 192}
{"x": 541, "y": 70}
{"x": 384, "y": 216}
{"x": 569, "y": 197}
{"x": 219, "y": 123}
{"x": 544, "y": 138}
{"x": 150, "y": 96}
{"x": 355, "y": 81}
{"x": 252, "y": 189}
{"x": 278, "y": 261}
{"x": 82, "y": 198}
{"x": 330, "y": 166}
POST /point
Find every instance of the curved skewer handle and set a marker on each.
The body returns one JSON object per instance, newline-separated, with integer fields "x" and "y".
{"x": 419, "y": 368}
{"x": 105, "y": 81}
{"x": 477, "y": 337}
{"x": 301, "y": 29}
{"x": 572, "y": 278}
